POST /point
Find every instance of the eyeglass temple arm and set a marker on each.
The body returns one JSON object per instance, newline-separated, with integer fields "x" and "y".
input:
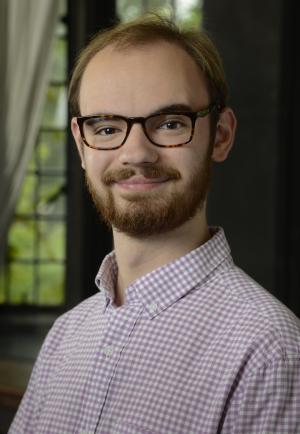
{"x": 215, "y": 106}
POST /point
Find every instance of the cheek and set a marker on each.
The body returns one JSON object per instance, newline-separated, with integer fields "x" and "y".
{"x": 191, "y": 167}
{"x": 95, "y": 162}
{"x": 187, "y": 160}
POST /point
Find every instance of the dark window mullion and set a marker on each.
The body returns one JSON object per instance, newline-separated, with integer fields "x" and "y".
{"x": 7, "y": 281}
{"x": 41, "y": 217}
{"x": 47, "y": 172}
{"x": 38, "y": 261}
{"x": 46, "y": 129}
{"x": 36, "y": 249}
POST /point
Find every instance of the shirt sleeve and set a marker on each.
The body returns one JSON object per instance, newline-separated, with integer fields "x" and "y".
{"x": 30, "y": 408}
{"x": 268, "y": 400}
{"x": 24, "y": 419}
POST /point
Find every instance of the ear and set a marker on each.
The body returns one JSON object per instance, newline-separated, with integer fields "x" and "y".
{"x": 225, "y": 133}
{"x": 78, "y": 140}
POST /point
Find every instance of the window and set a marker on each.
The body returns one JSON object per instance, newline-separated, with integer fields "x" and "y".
{"x": 185, "y": 12}
{"x": 36, "y": 245}
{"x": 34, "y": 272}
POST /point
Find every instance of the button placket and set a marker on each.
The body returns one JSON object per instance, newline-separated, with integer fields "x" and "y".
{"x": 108, "y": 350}
{"x": 152, "y": 307}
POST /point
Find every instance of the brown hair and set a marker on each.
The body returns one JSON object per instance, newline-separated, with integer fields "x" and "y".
{"x": 147, "y": 29}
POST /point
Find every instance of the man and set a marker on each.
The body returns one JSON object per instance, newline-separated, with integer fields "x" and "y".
{"x": 178, "y": 340}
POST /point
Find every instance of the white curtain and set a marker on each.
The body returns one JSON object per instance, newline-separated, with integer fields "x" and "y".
{"x": 26, "y": 37}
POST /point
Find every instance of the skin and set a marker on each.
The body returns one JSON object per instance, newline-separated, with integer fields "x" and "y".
{"x": 137, "y": 82}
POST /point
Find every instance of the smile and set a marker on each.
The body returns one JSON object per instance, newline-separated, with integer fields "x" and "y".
{"x": 139, "y": 183}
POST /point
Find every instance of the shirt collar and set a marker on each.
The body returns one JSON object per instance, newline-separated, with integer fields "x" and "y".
{"x": 163, "y": 286}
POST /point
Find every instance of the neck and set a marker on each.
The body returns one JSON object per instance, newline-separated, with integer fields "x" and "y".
{"x": 137, "y": 257}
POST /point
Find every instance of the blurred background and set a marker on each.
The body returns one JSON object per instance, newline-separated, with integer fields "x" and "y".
{"x": 51, "y": 239}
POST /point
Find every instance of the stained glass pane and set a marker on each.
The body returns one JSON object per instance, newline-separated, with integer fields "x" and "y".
{"x": 59, "y": 61}
{"x": 21, "y": 240}
{"x": 26, "y": 202}
{"x": 55, "y": 110}
{"x": 186, "y": 12}
{"x": 52, "y": 239}
{"x": 52, "y": 199}
{"x": 52, "y": 279}
{"x": 51, "y": 150}
{"x": 21, "y": 283}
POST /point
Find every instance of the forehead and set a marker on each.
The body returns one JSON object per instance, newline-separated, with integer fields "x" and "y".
{"x": 136, "y": 81}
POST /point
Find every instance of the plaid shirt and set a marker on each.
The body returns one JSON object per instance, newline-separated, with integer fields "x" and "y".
{"x": 198, "y": 348}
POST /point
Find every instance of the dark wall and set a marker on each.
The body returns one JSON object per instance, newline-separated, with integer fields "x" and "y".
{"x": 251, "y": 192}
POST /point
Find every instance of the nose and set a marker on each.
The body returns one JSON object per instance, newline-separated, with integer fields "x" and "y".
{"x": 137, "y": 149}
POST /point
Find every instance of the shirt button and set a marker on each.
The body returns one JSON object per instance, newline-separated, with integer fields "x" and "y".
{"x": 108, "y": 350}
{"x": 152, "y": 307}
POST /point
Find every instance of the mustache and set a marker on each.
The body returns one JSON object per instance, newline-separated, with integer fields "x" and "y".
{"x": 149, "y": 172}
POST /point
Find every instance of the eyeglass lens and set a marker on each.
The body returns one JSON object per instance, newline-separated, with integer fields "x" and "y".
{"x": 166, "y": 129}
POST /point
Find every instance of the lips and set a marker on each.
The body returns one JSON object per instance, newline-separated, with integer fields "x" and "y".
{"x": 139, "y": 183}
{"x": 136, "y": 180}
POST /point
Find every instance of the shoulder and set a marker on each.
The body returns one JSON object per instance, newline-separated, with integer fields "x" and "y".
{"x": 263, "y": 346}
{"x": 269, "y": 330}
{"x": 69, "y": 323}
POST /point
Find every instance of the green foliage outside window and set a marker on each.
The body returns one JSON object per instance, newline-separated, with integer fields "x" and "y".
{"x": 35, "y": 261}
{"x": 186, "y": 12}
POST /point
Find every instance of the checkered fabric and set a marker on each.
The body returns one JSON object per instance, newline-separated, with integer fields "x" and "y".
{"x": 198, "y": 348}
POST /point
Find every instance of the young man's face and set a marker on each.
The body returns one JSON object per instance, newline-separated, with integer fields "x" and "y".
{"x": 139, "y": 188}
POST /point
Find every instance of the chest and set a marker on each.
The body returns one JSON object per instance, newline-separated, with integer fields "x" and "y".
{"x": 165, "y": 374}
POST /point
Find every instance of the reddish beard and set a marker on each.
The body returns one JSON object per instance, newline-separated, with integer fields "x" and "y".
{"x": 154, "y": 212}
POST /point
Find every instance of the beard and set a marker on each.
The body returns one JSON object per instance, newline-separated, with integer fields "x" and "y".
{"x": 152, "y": 213}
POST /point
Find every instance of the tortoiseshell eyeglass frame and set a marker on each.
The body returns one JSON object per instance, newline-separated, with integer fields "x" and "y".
{"x": 216, "y": 106}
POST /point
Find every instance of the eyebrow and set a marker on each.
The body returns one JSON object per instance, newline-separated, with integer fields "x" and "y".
{"x": 173, "y": 108}
{"x": 163, "y": 109}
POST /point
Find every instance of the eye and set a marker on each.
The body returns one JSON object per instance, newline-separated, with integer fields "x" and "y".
{"x": 170, "y": 122}
{"x": 171, "y": 125}
{"x": 106, "y": 131}
{"x": 105, "y": 127}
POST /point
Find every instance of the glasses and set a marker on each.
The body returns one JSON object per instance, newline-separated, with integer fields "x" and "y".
{"x": 167, "y": 130}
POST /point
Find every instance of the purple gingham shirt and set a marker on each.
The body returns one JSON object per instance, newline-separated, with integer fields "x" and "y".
{"x": 198, "y": 348}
